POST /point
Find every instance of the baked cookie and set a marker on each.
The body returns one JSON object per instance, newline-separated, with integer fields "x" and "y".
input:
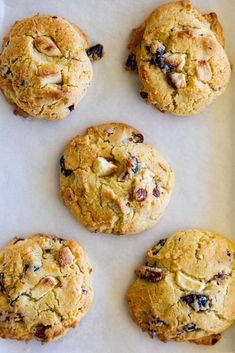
{"x": 113, "y": 182}
{"x": 186, "y": 289}
{"x": 180, "y": 58}
{"x": 44, "y": 68}
{"x": 45, "y": 287}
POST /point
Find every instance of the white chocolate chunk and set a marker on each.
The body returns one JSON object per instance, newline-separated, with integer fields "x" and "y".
{"x": 177, "y": 80}
{"x": 102, "y": 167}
{"x": 187, "y": 282}
{"x": 66, "y": 257}
{"x": 204, "y": 71}
{"x": 177, "y": 61}
{"x": 43, "y": 287}
{"x": 46, "y": 46}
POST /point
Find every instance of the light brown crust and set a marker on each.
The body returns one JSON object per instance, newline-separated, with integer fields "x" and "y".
{"x": 45, "y": 287}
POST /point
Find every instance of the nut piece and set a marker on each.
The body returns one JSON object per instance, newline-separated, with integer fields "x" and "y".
{"x": 177, "y": 80}
{"x": 204, "y": 71}
{"x": 189, "y": 283}
{"x": 176, "y": 61}
{"x": 102, "y": 167}
{"x": 43, "y": 287}
{"x": 46, "y": 46}
{"x": 66, "y": 257}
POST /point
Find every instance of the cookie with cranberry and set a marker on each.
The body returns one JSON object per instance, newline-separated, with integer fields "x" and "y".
{"x": 113, "y": 182}
{"x": 45, "y": 287}
{"x": 185, "y": 290}
{"x": 45, "y": 66}
{"x": 180, "y": 59}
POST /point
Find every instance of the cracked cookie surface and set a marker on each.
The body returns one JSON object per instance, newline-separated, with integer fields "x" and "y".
{"x": 45, "y": 287}
{"x": 186, "y": 289}
{"x": 180, "y": 59}
{"x": 44, "y": 67}
{"x": 113, "y": 182}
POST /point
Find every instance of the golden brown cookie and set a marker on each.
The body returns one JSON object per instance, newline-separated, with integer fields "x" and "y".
{"x": 185, "y": 291}
{"x": 113, "y": 182}
{"x": 44, "y": 67}
{"x": 180, "y": 58}
{"x": 45, "y": 287}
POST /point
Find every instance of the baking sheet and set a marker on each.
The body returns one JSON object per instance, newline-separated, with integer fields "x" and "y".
{"x": 200, "y": 149}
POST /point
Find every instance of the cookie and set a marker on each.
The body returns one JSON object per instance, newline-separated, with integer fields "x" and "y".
{"x": 45, "y": 287}
{"x": 180, "y": 59}
{"x": 185, "y": 290}
{"x": 113, "y": 182}
{"x": 44, "y": 68}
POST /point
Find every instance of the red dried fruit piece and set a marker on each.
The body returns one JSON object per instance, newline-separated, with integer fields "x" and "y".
{"x": 150, "y": 274}
{"x": 140, "y": 194}
{"x": 220, "y": 276}
{"x": 156, "y": 192}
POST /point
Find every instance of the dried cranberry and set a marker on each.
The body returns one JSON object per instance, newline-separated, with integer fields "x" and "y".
{"x": 40, "y": 332}
{"x": 150, "y": 274}
{"x": 131, "y": 62}
{"x": 95, "y": 52}
{"x": 140, "y": 194}
{"x": 64, "y": 171}
{"x": 220, "y": 276}
{"x": 144, "y": 95}
{"x": 132, "y": 163}
{"x": 160, "y": 60}
{"x": 191, "y": 328}
{"x": 197, "y": 302}
{"x": 35, "y": 268}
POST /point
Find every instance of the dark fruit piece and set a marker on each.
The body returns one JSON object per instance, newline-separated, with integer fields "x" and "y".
{"x": 96, "y": 52}
{"x": 63, "y": 170}
{"x": 156, "y": 248}
{"x": 191, "y": 328}
{"x": 18, "y": 239}
{"x": 35, "y": 268}
{"x": 40, "y": 332}
{"x": 150, "y": 274}
{"x": 156, "y": 191}
{"x": 160, "y": 60}
{"x": 140, "y": 194}
{"x": 220, "y": 276}
{"x": 137, "y": 138}
{"x": 131, "y": 63}
{"x": 144, "y": 95}
{"x": 26, "y": 267}
{"x": 197, "y": 302}
{"x": 71, "y": 107}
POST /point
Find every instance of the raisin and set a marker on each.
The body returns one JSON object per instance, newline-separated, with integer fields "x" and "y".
{"x": 150, "y": 274}
{"x": 215, "y": 339}
{"x": 220, "y": 276}
{"x": 144, "y": 95}
{"x": 191, "y": 328}
{"x": 197, "y": 302}
{"x": 26, "y": 267}
{"x": 156, "y": 192}
{"x": 131, "y": 63}
{"x": 64, "y": 171}
{"x": 40, "y": 332}
{"x": 54, "y": 17}
{"x": 157, "y": 247}
{"x": 140, "y": 194}
{"x": 35, "y": 268}
{"x": 96, "y": 52}
{"x": 71, "y": 107}
{"x": 137, "y": 138}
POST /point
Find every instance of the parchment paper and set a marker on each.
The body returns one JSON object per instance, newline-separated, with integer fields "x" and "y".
{"x": 200, "y": 149}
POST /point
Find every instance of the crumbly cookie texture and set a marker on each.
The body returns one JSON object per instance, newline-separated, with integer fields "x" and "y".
{"x": 113, "y": 182}
{"x": 186, "y": 289}
{"x": 44, "y": 67}
{"x": 180, "y": 59}
{"x": 45, "y": 287}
